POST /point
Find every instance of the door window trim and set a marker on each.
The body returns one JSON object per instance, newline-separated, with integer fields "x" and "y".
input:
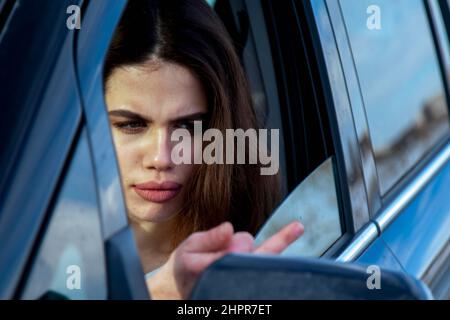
{"x": 345, "y": 138}
{"x": 125, "y": 277}
{"x": 102, "y": 17}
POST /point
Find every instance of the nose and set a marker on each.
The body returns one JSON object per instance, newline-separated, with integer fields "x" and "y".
{"x": 158, "y": 153}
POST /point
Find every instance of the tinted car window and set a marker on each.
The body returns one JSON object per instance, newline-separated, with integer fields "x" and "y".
{"x": 400, "y": 79}
{"x": 70, "y": 261}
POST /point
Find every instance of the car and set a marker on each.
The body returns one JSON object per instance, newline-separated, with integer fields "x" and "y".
{"x": 359, "y": 91}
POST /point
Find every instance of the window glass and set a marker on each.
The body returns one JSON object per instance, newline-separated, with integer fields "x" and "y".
{"x": 70, "y": 261}
{"x": 400, "y": 80}
{"x": 314, "y": 203}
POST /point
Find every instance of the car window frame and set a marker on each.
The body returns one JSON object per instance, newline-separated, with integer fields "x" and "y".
{"x": 91, "y": 42}
{"x": 345, "y": 137}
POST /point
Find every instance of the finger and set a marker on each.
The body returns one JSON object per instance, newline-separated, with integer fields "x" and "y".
{"x": 196, "y": 262}
{"x": 242, "y": 242}
{"x": 217, "y": 238}
{"x": 283, "y": 238}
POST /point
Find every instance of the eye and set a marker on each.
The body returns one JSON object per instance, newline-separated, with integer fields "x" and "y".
{"x": 131, "y": 127}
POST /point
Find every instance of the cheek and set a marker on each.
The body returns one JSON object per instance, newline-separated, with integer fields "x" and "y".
{"x": 126, "y": 156}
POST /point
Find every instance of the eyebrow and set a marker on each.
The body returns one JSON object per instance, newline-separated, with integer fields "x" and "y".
{"x": 136, "y": 116}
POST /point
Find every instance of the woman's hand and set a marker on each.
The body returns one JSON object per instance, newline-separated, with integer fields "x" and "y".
{"x": 178, "y": 275}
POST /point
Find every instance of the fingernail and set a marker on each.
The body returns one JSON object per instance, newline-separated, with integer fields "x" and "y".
{"x": 225, "y": 225}
{"x": 298, "y": 228}
{"x": 225, "y": 231}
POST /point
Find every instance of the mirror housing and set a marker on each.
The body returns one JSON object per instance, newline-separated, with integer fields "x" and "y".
{"x": 267, "y": 277}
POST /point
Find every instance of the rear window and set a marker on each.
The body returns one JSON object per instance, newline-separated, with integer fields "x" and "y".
{"x": 401, "y": 82}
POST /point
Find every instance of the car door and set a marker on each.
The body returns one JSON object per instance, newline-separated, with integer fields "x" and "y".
{"x": 37, "y": 126}
{"x": 397, "y": 84}
{"x": 55, "y": 242}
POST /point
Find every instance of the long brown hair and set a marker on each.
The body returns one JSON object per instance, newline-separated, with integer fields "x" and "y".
{"x": 189, "y": 33}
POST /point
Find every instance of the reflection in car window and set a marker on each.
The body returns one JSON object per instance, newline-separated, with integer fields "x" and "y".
{"x": 401, "y": 83}
{"x": 313, "y": 203}
{"x": 70, "y": 262}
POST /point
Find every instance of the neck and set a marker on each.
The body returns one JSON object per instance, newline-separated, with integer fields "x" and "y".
{"x": 153, "y": 242}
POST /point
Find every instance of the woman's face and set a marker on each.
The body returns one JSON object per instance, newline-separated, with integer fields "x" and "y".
{"x": 145, "y": 104}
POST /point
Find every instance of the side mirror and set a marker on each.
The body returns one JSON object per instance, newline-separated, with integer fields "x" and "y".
{"x": 252, "y": 277}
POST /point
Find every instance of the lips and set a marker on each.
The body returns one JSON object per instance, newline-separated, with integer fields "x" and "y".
{"x": 157, "y": 192}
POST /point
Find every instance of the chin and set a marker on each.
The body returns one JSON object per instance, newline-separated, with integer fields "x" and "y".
{"x": 152, "y": 213}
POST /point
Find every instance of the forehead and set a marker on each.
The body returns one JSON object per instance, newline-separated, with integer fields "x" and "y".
{"x": 158, "y": 91}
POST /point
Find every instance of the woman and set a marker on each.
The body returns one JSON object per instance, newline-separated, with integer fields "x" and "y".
{"x": 172, "y": 63}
